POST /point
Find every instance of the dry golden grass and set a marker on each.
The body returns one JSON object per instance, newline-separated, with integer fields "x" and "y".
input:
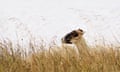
{"x": 58, "y": 59}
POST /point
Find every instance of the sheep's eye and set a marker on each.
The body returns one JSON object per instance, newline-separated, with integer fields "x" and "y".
{"x": 75, "y": 35}
{"x": 81, "y": 30}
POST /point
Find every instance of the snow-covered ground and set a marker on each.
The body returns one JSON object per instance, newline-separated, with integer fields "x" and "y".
{"x": 52, "y": 19}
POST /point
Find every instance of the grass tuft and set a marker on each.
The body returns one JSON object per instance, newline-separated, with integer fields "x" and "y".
{"x": 58, "y": 59}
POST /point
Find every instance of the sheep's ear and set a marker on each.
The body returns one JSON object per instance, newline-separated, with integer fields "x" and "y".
{"x": 80, "y": 30}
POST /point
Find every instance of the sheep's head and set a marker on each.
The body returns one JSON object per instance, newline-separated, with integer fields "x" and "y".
{"x": 73, "y": 36}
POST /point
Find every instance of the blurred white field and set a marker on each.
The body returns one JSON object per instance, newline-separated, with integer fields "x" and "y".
{"x": 51, "y": 20}
{"x": 98, "y": 25}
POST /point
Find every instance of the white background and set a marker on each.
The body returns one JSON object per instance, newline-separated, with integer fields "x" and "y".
{"x": 52, "y": 19}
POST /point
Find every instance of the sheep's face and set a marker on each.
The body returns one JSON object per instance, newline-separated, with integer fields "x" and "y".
{"x": 73, "y": 36}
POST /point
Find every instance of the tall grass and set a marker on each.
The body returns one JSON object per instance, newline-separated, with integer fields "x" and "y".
{"x": 58, "y": 59}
